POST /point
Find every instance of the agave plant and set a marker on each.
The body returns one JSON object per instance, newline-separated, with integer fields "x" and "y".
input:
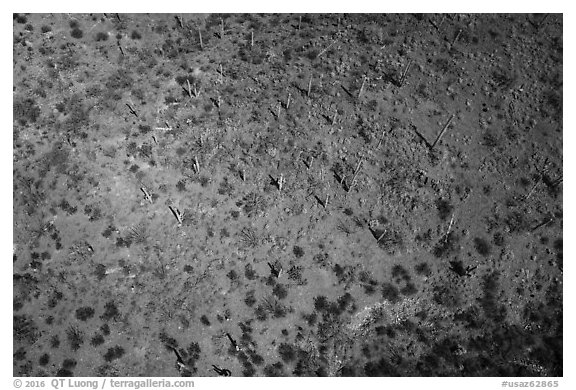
{"x": 138, "y": 234}
{"x": 248, "y": 238}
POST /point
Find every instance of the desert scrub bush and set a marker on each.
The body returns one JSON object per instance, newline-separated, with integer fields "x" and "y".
{"x": 75, "y": 337}
{"x": 249, "y": 238}
{"x": 490, "y": 139}
{"x": 250, "y": 298}
{"x": 332, "y": 309}
{"x": 54, "y": 341}
{"x": 69, "y": 364}
{"x": 252, "y": 204}
{"x": 24, "y": 329}
{"x": 120, "y": 80}
{"x": 390, "y": 293}
{"x": 44, "y": 359}
{"x": 400, "y": 273}
{"x": 367, "y": 282}
{"x": 20, "y": 19}
{"x": 345, "y": 274}
{"x": 280, "y": 291}
{"x": 137, "y": 234}
{"x": 114, "y": 353}
{"x": 498, "y": 239}
{"x": 252, "y": 55}
{"x": 381, "y": 367}
{"x": 295, "y": 274}
{"x": 321, "y": 259}
{"x": 482, "y": 246}
{"x": 57, "y": 158}
{"x": 63, "y": 372}
{"x": 97, "y": 340}
{"x": 101, "y": 36}
{"x": 423, "y": 269}
{"x": 93, "y": 212}
{"x": 447, "y": 294}
{"x": 552, "y": 104}
{"x": 446, "y": 245}
{"x": 25, "y": 110}
{"x": 298, "y": 251}
{"x": 204, "y": 320}
{"x": 444, "y": 208}
{"x": 287, "y": 352}
{"x": 105, "y": 329}
{"x": 389, "y": 240}
{"x": 66, "y": 207}
{"x": 274, "y": 370}
{"x": 517, "y": 222}
{"x": 110, "y": 311}
{"x": 232, "y": 275}
{"x": 504, "y": 79}
{"x": 84, "y": 313}
{"x": 409, "y": 289}
{"x": 190, "y": 356}
{"x": 77, "y": 33}
{"x": 249, "y": 272}
{"x": 270, "y": 306}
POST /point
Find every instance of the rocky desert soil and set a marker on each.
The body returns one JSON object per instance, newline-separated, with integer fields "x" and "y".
{"x": 287, "y": 195}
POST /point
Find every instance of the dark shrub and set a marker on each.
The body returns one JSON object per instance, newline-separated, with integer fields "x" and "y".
{"x": 444, "y": 208}
{"x": 232, "y": 275}
{"x": 24, "y": 329}
{"x": 423, "y": 269}
{"x": 517, "y": 222}
{"x": 101, "y": 36}
{"x": 261, "y": 314}
{"x": 274, "y": 370}
{"x": 390, "y": 293}
{"x": 204, "y": 320}
{"x": 280, "y": 291}
{"x": 26, "y": 110}
{"x": 97, "y": 340}
{"x": 320, "y": 303}
{"x": 77, "y": 33}
{"x": 20, "y": 354}
{"x": 84, "y": 313}
{"x": 105, "y": 329}
{"x": 482, "y": 246}
{"x": 250, "y": 300}
{"x": 64, "y": 373}
{"x": 287, "y": 352}
{"x": 44, "y": 359}
{"x": 249, "y": 272}
{"x": 499, "y": 239}
{"x": 409, "y": 289}
{"x": 110, "y": 311}
{"x": 21, "y": 19}
{"x": 446, "y": 245}
{"x": 69, "y": 364}
{"x": 55, "y": 341}
{"x": 114, "y": 353}
{"x": 75, "y": 337}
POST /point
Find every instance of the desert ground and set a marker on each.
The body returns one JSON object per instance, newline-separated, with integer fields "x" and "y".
{"x": 287, "y": 195}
